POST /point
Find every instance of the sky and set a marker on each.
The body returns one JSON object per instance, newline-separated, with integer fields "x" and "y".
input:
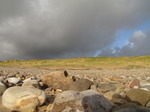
{"x": 52, "y": 29}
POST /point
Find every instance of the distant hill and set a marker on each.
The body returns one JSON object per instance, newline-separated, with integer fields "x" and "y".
{"x": 135, "y": 62}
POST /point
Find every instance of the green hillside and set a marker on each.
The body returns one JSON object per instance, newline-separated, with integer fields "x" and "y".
{"x": 136, "y": 62}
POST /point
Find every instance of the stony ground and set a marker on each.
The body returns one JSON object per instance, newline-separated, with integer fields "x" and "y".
{"x": 115, "y": 77}
{"x": 143, "y": 73}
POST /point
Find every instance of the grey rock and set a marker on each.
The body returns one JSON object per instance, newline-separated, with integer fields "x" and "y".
{"x": 2, "y": 88}
{"x": 85, "y": 101}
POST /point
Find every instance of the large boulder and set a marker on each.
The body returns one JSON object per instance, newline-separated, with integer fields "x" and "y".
{"x": 80, "y": 85}
{"x": 57, "y": 80}
{"x": 85, "y": 101}
{"x": 138, "y": 96}
{"x": 23, "y": 98}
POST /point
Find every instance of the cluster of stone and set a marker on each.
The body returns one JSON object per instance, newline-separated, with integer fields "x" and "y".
{"x": 58, "y": 91}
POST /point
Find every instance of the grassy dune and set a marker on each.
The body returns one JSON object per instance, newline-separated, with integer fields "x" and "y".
{"x": 136, "y": 62}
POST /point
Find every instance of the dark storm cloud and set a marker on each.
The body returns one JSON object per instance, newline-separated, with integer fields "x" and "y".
{"x": 12, "y": 8}
{"x": 66, "y": 28}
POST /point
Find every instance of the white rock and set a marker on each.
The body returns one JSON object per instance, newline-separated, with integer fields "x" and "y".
{"x": 31, "y": 83}
{"x": 23, "y": 98}
{"x": 13, "y": 80}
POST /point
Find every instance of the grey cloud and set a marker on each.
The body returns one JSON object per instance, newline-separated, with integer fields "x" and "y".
{"x": 67, "y": 28}
{"x": 13, "y": 8}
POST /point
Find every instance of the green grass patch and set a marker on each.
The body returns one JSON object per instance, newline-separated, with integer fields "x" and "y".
{"x": 136, "y": 62}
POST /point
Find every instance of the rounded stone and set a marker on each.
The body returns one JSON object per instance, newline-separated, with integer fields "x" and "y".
{"x": 23, "y": 98}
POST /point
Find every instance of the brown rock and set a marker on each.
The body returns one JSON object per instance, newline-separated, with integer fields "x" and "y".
{"x": 135, "y": 84}
{"x": 57, "y": 80}
{"x": 138, "y": 96}
{"x": 80, "y": 85}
